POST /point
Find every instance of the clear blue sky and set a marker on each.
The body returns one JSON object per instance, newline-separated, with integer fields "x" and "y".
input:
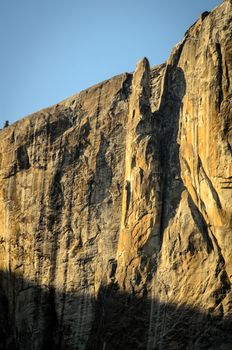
{"x": 51, "y": 49}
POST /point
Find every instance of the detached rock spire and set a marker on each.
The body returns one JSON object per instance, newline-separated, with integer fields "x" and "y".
{"x": 141, "y": 202}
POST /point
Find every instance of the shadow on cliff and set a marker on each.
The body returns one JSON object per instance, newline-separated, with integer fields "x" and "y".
{"x": 168, "y": 117}
{"x": 36, "y": 318}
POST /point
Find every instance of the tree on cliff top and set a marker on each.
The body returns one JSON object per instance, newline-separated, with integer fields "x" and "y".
{"x": 6, "y": 124}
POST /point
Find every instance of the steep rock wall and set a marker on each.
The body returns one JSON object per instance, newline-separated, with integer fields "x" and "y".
{"x": 115, "y": 208}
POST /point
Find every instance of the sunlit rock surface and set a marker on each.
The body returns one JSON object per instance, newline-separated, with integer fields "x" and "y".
{"x": 115, "y": 208}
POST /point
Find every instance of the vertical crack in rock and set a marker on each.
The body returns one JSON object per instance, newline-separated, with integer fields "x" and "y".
{"x": 103, "y": 174}
{"x": 168, "y": 115}
{"x": 219, "y": 75}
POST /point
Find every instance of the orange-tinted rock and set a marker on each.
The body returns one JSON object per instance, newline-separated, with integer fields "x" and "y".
{"x": 115, "y": 208}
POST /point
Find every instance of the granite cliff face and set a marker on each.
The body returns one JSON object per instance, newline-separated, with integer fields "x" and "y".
{"x": 115, "y": 208}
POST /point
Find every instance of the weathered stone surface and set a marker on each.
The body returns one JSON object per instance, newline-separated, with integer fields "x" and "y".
{"x": 141, "y": 202}
{"x": 115, "y": 208}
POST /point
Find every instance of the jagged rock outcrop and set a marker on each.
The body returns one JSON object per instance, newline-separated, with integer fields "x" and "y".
{"x": 115, "y": 208}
